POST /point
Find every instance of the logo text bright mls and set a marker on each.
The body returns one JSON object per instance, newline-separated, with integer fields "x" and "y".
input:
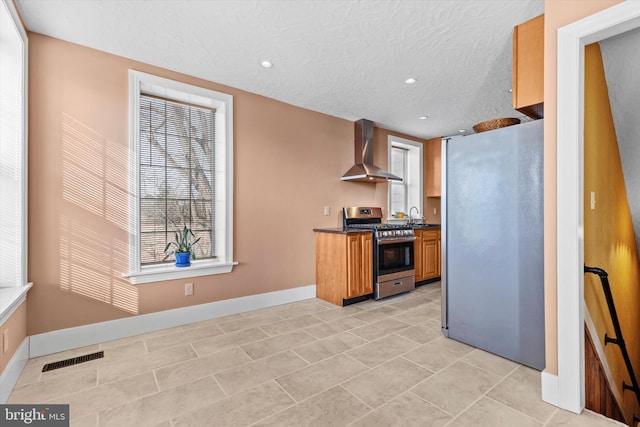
{"x": 36, "y": 415}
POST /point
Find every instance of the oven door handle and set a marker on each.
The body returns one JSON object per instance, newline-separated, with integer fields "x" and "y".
{"x": 392, "y": 240}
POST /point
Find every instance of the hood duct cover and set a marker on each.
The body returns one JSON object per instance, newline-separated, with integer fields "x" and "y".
{"x": 364, "y": 170}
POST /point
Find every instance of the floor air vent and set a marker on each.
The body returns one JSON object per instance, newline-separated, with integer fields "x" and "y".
{"x": 72, "y": 361}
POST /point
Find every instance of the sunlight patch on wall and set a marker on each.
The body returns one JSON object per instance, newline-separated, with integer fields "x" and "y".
{"x": 94, "y": 175}
{"x": 117, "y": 191}
{"x": 91, "y": 264}
{"x": 94, "y": 223}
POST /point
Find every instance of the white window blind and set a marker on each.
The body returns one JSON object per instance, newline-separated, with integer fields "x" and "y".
{"x": 13, "y": 150}
{"x": 398, "y": 190}
{"x": 176, "y": 175}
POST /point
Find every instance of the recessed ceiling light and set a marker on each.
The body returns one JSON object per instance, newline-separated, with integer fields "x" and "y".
{"x": 410, "y": 81}
{"x": 510, "y": 91}
{"x": 462, "y": 130}
{"x": 423, "y": 117}
{"x": 266, "y": 64}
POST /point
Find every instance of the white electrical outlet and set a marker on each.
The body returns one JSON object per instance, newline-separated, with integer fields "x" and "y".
{"x": 593, "y": 200}
{"x": 188, "y": 289}
{"x": 435, "y": 211}
{"x": 327, "y": 210}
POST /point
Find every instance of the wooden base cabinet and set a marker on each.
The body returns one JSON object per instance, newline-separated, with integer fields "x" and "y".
{"x": 427, "y": 254}
{"x": 344, "y": 266}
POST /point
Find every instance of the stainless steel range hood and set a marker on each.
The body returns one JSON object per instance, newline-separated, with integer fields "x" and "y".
{"x": 364, "y": 170}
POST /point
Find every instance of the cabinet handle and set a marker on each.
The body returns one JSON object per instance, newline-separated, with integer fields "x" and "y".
{"x": 398, "y": 283}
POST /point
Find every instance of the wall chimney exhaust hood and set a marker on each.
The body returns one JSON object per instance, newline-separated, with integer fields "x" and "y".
{"x": 364, "y": 170}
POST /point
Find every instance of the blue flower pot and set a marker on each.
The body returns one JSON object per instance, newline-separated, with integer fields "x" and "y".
{"x": 183, "y": 259}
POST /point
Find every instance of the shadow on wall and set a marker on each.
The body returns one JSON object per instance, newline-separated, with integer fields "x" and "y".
{"x": 94, "y": 185}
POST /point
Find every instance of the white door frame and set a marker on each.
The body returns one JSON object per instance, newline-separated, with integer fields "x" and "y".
{"x": 570, "y": 183}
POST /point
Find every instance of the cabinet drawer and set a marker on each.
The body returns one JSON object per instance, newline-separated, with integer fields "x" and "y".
{"x": 430, "y": 234}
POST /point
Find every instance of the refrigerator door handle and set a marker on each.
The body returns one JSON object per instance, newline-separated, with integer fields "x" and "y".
{"x": 444, "y": 320}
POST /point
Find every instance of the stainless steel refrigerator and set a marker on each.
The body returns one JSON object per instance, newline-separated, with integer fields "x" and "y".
{"x": 492, "y": 242}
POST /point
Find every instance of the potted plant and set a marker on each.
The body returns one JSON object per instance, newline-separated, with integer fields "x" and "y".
{"x": 183, "y": 245}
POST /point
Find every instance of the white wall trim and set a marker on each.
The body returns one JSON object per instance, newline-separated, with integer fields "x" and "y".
{"x": 67, "y": 339}
{"x": 549, "y": 387}
{"x": 570, "y": 239}
{"x": 10, "y": 300}
{"x": 14, "y": 368}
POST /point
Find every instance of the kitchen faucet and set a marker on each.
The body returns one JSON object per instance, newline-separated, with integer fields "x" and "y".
{"x": 411, "y": 216}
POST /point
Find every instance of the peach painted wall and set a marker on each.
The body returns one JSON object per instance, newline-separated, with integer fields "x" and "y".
{"x": 16, "y": 324}
{"x": 287, "y": 167}
{"x": 558, "y": 13}
{"x": 609, "y": 238}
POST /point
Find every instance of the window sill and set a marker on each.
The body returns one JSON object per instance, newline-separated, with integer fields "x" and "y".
{"x": 158, "y": 273}
{"x": 10, "y": 299}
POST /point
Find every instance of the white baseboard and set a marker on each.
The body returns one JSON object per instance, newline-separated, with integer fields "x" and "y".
{"x": 67, "y": 339}
{"x": 550, "y": 388}
{"x": 14, "y": 368}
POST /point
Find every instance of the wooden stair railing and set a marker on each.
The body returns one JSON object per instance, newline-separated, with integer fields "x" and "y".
{"x": 618, "y": 339}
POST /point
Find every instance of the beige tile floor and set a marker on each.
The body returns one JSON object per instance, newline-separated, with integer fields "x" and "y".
{"x": 310, "y": 363}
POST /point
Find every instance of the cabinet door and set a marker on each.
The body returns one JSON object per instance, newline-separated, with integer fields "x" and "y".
{"x": 528, "y": 67}
{"x": 366, "y": 241}
{"x": 431, "y": 255}
{"x": 359, "y": 264}
{"x": 439, "y": 254}
{"x": 433, "y": 161}
{"x": 417, "y": 256}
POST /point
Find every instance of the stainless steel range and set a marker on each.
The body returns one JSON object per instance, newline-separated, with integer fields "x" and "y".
{"x": 393, "y": 262}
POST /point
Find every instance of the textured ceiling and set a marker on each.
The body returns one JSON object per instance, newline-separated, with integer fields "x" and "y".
{"x": 346, "y": 58}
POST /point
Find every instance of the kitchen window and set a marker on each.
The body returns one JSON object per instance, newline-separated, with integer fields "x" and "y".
{"x": 405, "y": 161}
{"x": 398, "y": 189}
{"x": 180, "y": 175}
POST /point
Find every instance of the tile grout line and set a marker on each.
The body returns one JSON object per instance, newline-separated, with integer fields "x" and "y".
{"x": 514, "y": 409}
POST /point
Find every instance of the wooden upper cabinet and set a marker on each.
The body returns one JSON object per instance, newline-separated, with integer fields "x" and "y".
{"x": 528, "y": 67}
{"x": 433, "y": 160}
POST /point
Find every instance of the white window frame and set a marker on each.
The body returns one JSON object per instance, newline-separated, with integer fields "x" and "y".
{"x": 415, "y": 161}
{"x": 140, "y": 82}
{"x": 16, "y": 134}
{"x": 14, "y": 292}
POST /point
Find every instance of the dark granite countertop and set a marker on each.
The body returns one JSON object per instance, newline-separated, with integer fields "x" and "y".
{"x": 423, "y": 226}
{"x": 341, "y": 230}
{"x": 338, "y": 230}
